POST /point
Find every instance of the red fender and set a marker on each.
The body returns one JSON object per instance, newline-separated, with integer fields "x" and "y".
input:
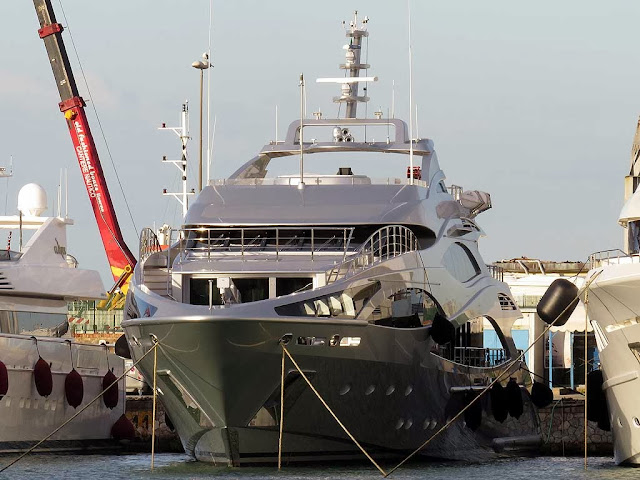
{"x": 4, "y": 380}
{"x": 74, "y": 388}
{"x": 123, "y": 429}
{"x": 110, "y": 396}
{"x": 43, "y": 378}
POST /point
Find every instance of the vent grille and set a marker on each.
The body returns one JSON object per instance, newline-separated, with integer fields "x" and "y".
{"x": 506, "y": 303}
{"x": 4, "y": 283}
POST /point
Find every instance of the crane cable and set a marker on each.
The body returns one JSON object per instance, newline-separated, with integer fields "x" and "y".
{"x": 95, "y": 110}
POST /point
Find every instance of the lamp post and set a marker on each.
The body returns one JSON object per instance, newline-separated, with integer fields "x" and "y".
{"x": 201, "y": 65}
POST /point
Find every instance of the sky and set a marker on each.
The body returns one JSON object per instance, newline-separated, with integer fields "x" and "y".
{"x": 533, "y": 102}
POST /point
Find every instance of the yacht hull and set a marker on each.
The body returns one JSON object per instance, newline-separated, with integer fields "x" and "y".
{"x": 220, "y": 382}
{"x": 27, "y": 417}
{"x": 613, "y": 301}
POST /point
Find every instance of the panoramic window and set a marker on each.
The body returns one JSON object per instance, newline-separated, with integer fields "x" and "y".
{"x": 407, "y": 308}
{"x": 460, "y": 263}
{"x": 345, "y": 304}
{"x": 287, "y": 285}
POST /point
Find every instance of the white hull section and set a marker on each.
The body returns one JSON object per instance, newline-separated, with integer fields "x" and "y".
{"x": 614, "y": 306}
{"x": 25, "y": 416}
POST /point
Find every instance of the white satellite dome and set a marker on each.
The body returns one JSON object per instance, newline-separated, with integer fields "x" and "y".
{"x": 32, "y": 200}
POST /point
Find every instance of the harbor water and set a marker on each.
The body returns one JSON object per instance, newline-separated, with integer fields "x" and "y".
{"x": 177, "y": 466}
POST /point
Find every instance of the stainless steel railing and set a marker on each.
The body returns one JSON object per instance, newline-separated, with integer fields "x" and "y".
{"x": 473, "y": 356}
{"x": 387, "y": 242}
{"x": 612, "y": 256}
{"x": 266, "y": 242}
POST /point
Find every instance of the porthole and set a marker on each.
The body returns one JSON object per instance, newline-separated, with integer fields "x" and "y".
{"x": 399, "y": 424}
{"x": 408, "y": 391}
{"x": 426, "y": 424}
{"x": 370, "y": 389}
{"x": 636, "y": 422}
{"x": 390, "y": 390}
{"x": 344, "y": 390}
{"x": 408, "y": 424}
{"x": 619, "y": 422}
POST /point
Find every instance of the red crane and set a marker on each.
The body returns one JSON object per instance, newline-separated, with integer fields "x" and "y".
{"x": 120, "y": 258}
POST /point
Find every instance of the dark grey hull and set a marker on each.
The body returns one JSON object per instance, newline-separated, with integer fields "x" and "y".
{"x": 220, "y": 384}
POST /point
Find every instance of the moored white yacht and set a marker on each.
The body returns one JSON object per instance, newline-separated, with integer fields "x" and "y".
{"x": 39, "y": 390}
{"x": 614, "y": 312}
{"x": 357, "y": 277}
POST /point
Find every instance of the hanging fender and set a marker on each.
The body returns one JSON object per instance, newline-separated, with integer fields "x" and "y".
{"x": 514, "y": 398}
{"x": 123, "y": 429}
{"x": 110, "y": 396}
{"x": 473, "y": 414}
{"x": 561, "y": 296}
{"x": 4, "y": 380}
{"x": 499, "y": 408}
{"x": 442, "y": 330}
{"x": 74, "y": 388}
{"x": 541, "y": 394}
{"x": 43, "y": 378}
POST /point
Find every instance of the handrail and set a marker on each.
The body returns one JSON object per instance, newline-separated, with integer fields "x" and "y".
{"x": 148, "y": 244}
{"x": 270, "y": 242}
{"x": 596, "y": 259}
{"x": 385, "y": 243}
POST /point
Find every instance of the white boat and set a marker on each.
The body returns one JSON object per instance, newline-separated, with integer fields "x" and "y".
{"x": 38, "y": 392}
{"x": 614, "y": 311}
{"x": 357, "y": 276}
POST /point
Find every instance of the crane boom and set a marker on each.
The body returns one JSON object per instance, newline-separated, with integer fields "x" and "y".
{"x": 120, "y": 258}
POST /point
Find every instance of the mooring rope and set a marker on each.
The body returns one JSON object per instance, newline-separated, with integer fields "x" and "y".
{"x": 153, "y": 348}
{"x": 281, "y": 411}
{"x": 497, "y": 379}
{"x": 284, "y": 349}
{"x": 155, "y": 398}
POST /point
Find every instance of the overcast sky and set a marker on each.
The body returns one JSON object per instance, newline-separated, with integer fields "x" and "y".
{"x": 533, "y": 102}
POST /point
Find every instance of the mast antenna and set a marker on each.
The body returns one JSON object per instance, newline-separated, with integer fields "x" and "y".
{"x": 350, "y": 84}
{"x": 302, "y": 97}
{"x": 183, "y": 132}
{"x": 410, "y": 98}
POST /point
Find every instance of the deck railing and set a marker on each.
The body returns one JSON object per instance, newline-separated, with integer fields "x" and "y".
{"x": 268, "y": 243}
{"x": 387, "y": 242}
{"x": 473, "y": 356}
{"x": 613, "y": 256}
{"x": 149, "y": 244}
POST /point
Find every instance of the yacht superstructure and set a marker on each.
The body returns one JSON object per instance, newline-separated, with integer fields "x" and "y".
{"x": 356, "y": 276}
{"x": 45, "y": 376}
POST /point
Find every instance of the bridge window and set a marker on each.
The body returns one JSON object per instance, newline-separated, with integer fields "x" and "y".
{"x": 460, "y": 262}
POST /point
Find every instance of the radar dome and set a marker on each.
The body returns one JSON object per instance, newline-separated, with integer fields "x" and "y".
{"x": 32, "y": 200}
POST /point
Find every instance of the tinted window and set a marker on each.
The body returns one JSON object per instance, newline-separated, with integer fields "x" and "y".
{"x": 460, "y": 263}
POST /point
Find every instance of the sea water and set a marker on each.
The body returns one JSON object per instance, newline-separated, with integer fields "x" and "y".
{"x": 175, "y": 466}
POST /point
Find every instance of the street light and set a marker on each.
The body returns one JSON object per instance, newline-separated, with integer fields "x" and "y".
{"x": 201, "y": 65}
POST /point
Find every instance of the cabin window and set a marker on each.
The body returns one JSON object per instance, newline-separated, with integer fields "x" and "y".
{"x": 199, "y": 291}
{"x": 288, "y": 285}
{"x": 32, "y": 323}
{"x": 407, "y": 308}
{"x": 346, "y": 304}
{"x": 252, "y": 289}
{"x": 460, "y": 262}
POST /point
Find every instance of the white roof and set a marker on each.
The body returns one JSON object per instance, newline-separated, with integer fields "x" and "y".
{"x": 631, "y": 209}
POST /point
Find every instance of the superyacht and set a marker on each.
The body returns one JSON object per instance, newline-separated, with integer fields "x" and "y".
{"x": 614, "y": 312}
{"x": 375, "y": 286}
{"x": 45, "y": 376}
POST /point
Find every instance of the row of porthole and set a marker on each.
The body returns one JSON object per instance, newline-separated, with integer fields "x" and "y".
{"x": 372, "y": 388}
{"x": 428, "y": 424}
{"x": 636, "y": 422}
